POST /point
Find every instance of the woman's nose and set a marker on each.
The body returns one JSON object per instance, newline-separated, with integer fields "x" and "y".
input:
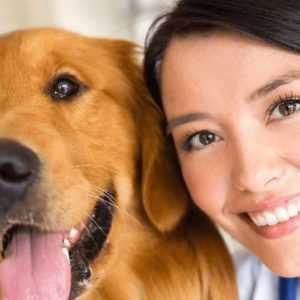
{"x": 257, "y": 167}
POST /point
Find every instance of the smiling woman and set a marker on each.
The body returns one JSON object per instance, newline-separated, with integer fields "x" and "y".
{"x": 227, "y": 77}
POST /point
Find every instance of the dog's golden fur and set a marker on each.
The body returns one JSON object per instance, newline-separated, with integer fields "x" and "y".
{"x": 109, "y": 136}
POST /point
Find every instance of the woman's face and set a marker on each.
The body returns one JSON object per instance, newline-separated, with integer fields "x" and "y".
{"x": 233, "y": 109}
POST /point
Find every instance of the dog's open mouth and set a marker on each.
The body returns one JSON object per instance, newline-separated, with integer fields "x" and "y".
{"x": 49, "y": 266}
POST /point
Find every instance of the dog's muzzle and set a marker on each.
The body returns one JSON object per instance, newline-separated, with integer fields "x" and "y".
{"x": 35, "y": 260}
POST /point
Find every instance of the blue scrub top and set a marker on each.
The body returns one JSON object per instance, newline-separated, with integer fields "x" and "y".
{"x": 255, "y": 280}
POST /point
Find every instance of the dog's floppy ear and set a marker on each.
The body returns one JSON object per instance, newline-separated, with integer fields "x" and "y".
{"x": 164, "y": 194}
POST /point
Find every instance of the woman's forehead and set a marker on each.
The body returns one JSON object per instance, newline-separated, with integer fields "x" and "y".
{"x": 226, "y": 64}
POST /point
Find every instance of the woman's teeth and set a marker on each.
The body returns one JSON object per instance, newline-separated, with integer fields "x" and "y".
{"x": 277, "y": 215}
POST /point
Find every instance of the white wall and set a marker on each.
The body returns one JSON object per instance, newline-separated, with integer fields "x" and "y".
{"x": 145, "y": 12}
{"x": 127, "y": 19}
{"x": 93, "y": 17}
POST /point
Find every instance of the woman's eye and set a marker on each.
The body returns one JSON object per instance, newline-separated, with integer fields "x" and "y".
{"x": 200, "y": 140}
{"x": 284, "y": 108}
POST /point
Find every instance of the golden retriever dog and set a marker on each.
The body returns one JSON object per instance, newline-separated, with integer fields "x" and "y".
{"x": 92, "y": 205}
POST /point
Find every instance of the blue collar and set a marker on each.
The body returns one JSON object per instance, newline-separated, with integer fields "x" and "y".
{"x": 288, "y": 288}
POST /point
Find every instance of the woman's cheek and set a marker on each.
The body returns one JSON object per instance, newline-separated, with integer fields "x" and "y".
{"x": 206, "y": 184}
{"x": 286, "y": 137}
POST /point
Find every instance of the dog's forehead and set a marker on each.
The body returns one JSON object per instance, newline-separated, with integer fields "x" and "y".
{"x": 37, "y": 44}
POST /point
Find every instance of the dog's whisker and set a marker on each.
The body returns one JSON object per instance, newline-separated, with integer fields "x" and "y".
{"x": 98, "y": 191}
{"x": 111, "y": 198}
{"x": 89, "y": 233}
{"x": 97, "y": 225}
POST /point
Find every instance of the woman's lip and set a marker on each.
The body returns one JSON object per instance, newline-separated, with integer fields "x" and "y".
{"x": 271, "y": 203}
{"x": 276, "y": 231}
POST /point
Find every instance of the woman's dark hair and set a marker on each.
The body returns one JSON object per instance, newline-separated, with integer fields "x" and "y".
{"x": 273, "y": 21}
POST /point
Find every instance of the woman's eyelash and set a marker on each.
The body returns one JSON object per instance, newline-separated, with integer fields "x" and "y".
{"x": 288, "y": 98}
{"x": 187, "y": 140}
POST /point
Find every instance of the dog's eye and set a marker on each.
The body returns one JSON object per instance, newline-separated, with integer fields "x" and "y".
{"x": 65, "y": 86}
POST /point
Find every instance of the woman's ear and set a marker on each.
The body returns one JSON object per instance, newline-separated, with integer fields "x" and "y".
{"x": 164, "y": 194}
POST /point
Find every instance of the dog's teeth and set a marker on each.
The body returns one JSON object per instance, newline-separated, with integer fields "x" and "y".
{"x": 74, "y": 234}
{"x": 67, "y": 243}
{"x": 66, "y": 253}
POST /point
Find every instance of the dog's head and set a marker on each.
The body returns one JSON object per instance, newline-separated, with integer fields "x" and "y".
{"x": 81, "y": 150}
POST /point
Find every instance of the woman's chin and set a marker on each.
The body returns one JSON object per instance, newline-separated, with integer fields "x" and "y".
{"x": 285, "y": 265}
{"x": 281, "y": 254}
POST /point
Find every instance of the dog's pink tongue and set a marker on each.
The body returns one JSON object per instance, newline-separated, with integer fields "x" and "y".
{"x": 35, "y": 268}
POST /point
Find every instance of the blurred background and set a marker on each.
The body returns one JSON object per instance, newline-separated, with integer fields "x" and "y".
{"x": 127, "y": 19}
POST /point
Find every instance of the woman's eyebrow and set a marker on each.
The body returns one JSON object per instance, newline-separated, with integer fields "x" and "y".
{"x": 274, "y": 84}
{"x": 182, "y": 119}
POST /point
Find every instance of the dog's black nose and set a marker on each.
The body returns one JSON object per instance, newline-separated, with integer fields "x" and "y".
{"x": 19, "y": 168}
